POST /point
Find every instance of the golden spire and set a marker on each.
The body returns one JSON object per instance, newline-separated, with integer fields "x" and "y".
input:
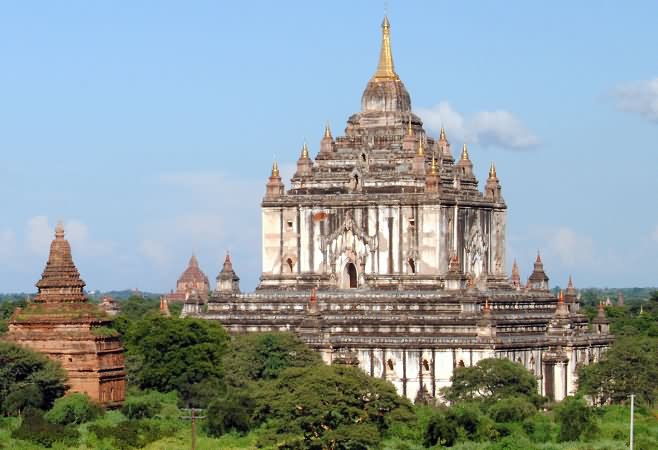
{"x": 385, "y": 70}
{"x": 433, "y": 168}
{"x": 421, "y": 148}
{"x": 442, "y": 134}
{"x": 275, "y": 169}
{"x": 492, "y": 171}
{"x": 327, "y": 130}
{"x": 304, "y": 151}
{"x": 465, "y": 153}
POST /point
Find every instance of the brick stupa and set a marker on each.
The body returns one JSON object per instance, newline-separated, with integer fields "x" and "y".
{"x": 61, "y": 323}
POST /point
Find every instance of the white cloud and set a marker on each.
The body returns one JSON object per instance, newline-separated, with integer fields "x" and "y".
{"x": 640, "y": 97}
{"x": 39, "y": 234}
{"x": 7, "y": 245}
{"x": 155, "y": 251}
{"x": 572, "y": 249}
{"x": 498, "y": 128}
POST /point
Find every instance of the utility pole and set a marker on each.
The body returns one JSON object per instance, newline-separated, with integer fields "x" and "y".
{"x": 632, "y": 408}
{"x": 193, "y": 417}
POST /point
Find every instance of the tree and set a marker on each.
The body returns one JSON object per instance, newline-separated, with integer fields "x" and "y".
{"x": 460, "y": 422}
{"x": 491, "y": 380}
{"x": 576, "y": 418}
{"x": 28, "y": 378}
{"x": 36, "y": 429}
{"x": 230, "y": 412}
{"x": 313, "y": 403}
{"x": 74, "y": 408}
{"x": 630, "y": 366}
{"x": 263, "y": 356}
{"x": 177, "y": 354}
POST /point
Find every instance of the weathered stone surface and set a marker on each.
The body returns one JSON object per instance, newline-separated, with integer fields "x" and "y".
{"x": 62, "y": 324}
{"x": 384, "y": 252}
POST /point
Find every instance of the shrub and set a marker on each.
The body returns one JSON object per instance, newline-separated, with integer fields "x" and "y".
{"x": 576, "y": 418}
{"x": 230, "y": 412}
{"x": 74, "y": 408}
{"x": 143, "y": 406}
{"x": 36, "y": 429}
{"x": 512, "y": 409}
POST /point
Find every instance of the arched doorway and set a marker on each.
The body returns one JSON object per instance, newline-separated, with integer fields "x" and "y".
{"x": 350, "y": 276}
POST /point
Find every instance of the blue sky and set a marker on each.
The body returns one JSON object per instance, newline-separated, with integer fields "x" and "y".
{"x": 149, "y": 128}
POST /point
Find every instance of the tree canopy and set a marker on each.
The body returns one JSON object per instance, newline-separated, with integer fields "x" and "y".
{"x": 630, "y": 366}
{"x": 28, "y": 379}
{"x": 169, "y": 354}
{"x": 322, "y": 406}
{"x": 491, "y": 380}
{"x": 263, "y": 356}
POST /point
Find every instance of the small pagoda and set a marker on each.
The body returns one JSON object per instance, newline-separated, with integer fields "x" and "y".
{"x": 61, "y": 323}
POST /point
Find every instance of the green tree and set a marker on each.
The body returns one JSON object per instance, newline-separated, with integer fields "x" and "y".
{"x": 319, "y": 401}
{"x": 230, "y": 412}
{"x": 28, "y": 378}
{"x": 490, "y": 380}
{"x": 630, "y": 366}
{"x": 575, "y": 418}
{"x": 177, "y": 354}
{"x": 74, "y": 408}
{"x": 36, "y": 429}
{"x": 463, "y": 421}
{"x": 134, "y": 309}
{"x": 263, "y": 356}
{"x": 7, "y": 308}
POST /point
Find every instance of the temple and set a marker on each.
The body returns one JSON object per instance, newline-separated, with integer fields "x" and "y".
{"x": 385, "y": 253}
{"x": 192, "y": 281}
{"x": 61, "y": 323}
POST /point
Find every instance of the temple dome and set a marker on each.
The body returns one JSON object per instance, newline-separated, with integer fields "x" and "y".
{"x": 385, "y": 91}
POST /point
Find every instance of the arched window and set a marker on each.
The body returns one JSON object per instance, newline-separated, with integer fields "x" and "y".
{"x": 290, "y": 264}
{"x": 390, "y": 364}
{"x": 461, "y": 363}
{"x": 351, "y": 273}
{"x": 426, "y": 365}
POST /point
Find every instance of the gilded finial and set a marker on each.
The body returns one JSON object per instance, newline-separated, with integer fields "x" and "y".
{"x": 442, "y": 134}
{"x": 433, "y": 167}
{"x": 385, "y": 69}
{"x": 304, "y": 151}
{"x": 492, "y": 171}
{"x": 327, "y": 130}
{"x": 421, "y": 148}
{"x": 465, "y": 153}
{"x": 275, "y": 169}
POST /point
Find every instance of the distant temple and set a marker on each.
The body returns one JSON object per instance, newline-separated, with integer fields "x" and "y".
{"x": 60, "y": 322}
{"x": 110, "y": 306}
{"x": 385, "y": 254}
{"x": 191, "y": 282}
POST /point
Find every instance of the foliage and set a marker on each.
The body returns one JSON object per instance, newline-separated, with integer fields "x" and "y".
{"x": 131, "y": 433}
{"x": 630, "y": 366}
{"x": 576, "y": 418}
{"x": 490, "y": 380}
{"x": 230, "y": 412}
{"x": 263, "y": 356}
{"x": 28, "y": 379}
{"x": 175, "y": 354}
{"x": 104, "y": 332}
{"x": 511, "y": 409}
{"x": 7, "y": 308}
{"x": 460, "y": 422}
{"x": 316, "y": 403}
{"x": 133, "y": 310}
{"x": 74, "y": 408}
{"x": 144, "y": 406}
{"x": 36, "y": 429}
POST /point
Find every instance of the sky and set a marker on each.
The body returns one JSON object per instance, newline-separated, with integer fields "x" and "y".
{"x": 149, "y": 128}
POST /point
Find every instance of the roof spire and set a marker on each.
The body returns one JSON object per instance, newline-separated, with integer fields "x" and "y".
{"x": 327, "y": 130}
{"x": 442, "y": 134}
{"x": 465, "y": 156}
{"x": 433, "y": 168}
{"x": 421, "y": 149}
{"x": 385, "y": 69}
{"x": 304, "y": 151}
{"x": 492, "y": 171}
{"x": 275, "y": 169}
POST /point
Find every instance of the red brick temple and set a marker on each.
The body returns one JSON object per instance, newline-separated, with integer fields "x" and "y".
{"x": 61, "y": 323}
